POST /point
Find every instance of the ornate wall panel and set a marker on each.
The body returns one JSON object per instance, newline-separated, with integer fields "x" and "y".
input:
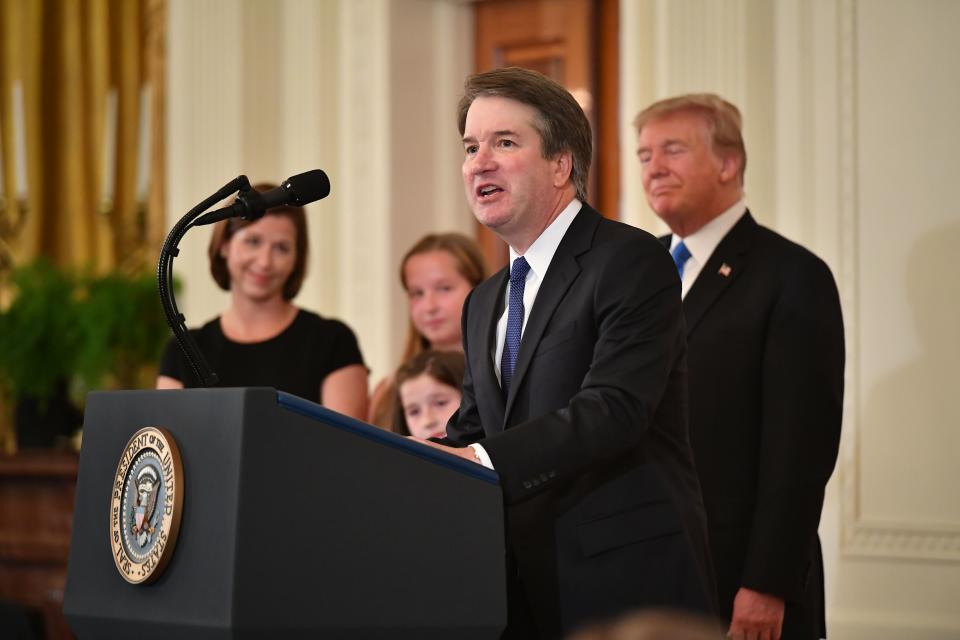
{"x": 862, "y": 161}
{"x": 899, "y": 226}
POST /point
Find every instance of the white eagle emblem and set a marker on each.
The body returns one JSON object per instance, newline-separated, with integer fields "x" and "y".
{"x": 145, "y": 505}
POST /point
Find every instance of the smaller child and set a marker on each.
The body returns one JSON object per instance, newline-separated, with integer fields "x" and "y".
{"x": 428, "y": 393}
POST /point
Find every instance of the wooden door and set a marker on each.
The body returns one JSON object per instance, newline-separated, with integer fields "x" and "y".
{"x": 575, "y": 43}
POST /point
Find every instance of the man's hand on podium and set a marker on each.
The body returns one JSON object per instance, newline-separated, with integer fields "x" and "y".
{"x": 467, "y": 453}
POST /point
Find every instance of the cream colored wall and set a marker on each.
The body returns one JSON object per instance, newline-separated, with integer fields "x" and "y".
{"x": 850, "y": 118}
{"x": 852, "y": 133}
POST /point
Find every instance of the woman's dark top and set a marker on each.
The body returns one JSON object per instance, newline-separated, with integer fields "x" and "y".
{"x": 296, "y": 361}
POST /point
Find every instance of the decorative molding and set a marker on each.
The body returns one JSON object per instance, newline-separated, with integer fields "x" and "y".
{"x": 364, "y": 151}
{"x": 638, "y": 64}
{"x": 792, "y": 98}
{"x": 897, "y": 540}
{"x": 701, "y": 45}
{"x": 896, "y": 624}
{"x": 309, "y": 135}
{"x": 846, "y": 150}
{"x": 452, "y": 63}
{"x": 861, "y": 536}
{"x": 204, "y": 111}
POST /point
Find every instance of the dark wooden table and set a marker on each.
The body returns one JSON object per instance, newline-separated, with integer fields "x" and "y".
{"x": 36, "y": 513}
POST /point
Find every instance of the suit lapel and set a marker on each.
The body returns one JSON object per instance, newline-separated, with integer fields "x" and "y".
{"x": 725, "y": 265}
{"x": 488, "y": 387}
{"x": 563, "y": 270}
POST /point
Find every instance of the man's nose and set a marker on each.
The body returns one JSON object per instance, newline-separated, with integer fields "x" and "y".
{"x": 655, "y": 165}
{"x": 482, "y": 160}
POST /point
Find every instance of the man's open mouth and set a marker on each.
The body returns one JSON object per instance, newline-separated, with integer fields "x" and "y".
{"x": 487, "y": 190}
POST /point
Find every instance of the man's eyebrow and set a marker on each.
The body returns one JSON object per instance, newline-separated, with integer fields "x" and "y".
{"x": 665, "y": 143}
{"x": 496, "y": 134}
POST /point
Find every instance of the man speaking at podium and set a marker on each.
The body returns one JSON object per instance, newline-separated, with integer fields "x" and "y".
{"x": 575, "y": 385}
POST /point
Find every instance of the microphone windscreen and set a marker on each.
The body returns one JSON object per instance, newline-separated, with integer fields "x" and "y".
{"x": 308, "y": 187}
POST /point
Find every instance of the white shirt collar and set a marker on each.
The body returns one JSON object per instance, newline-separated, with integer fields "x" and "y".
{"x": 540, "y": 253}
{"x": 704, "y": 241}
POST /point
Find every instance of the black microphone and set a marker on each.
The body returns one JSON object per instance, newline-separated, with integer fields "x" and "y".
{"x": 251, "y": 204}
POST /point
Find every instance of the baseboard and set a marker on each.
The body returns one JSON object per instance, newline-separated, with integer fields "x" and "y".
{"x": 886, "y": 625}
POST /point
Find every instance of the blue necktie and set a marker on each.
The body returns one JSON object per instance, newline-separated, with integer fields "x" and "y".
{"x": 680, "y": 255}
{"x": 511, "y": 342}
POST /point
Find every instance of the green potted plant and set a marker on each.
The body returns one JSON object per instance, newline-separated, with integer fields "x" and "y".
{"x": 123, "y": 331}
{"x": 39, "y": 340}
{"x": 66, "y": 333}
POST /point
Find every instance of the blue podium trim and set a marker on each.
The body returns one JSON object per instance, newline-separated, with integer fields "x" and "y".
{"x": 388, "y": 438}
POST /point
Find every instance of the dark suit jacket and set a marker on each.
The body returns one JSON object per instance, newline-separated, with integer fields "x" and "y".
{"x": 765, "y": 356}
{"x": 602, "y": 502}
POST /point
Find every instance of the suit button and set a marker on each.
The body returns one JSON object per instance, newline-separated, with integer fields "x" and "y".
{"x": 536, "y": 482}
{"x": 543, "y": 477}
{"x": 552, "y": 474}
{"x": 527, "y": 484}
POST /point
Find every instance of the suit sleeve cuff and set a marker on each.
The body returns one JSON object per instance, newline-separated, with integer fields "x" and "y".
{"x": 482, "y": 455}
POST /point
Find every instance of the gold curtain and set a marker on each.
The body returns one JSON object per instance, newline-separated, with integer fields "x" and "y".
{"x": 81, "y": 134}
{"x": 89, "y": 77}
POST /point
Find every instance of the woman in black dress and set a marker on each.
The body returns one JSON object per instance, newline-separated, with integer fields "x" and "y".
{"x": 262, "y": 338}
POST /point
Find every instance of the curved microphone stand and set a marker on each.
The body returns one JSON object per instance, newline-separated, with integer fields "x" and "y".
{"x": 170, "y": 251}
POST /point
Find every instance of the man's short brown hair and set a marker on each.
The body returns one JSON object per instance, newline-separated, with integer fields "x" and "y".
{"x": 723, "y": 120}
{"x": 560, "y": 121}
{"x": 225, "y": 229}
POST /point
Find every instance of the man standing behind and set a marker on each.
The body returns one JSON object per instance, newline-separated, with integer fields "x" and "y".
{"x": 575, "y": 389}
{"x": 765, "y": 357}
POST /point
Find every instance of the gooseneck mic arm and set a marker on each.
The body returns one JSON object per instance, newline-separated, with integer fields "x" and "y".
{"x": 171, "y": 250}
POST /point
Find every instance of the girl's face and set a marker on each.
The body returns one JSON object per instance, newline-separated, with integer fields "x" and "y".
{"x": 436, "y": 290}
{"x": 427, "y": 405}
{"x": 261, "y": 256}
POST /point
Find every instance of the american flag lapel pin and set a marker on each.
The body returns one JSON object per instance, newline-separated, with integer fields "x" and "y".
{"x": 725, "y": 270}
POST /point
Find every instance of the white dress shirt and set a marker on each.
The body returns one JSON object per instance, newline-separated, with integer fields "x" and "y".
{"x": 703, "y": 243}
{"x": 538, "y": 256}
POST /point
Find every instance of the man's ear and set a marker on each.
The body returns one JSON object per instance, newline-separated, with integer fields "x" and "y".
{"x": 729, "y": 167}
{"x": 563, "y": 168}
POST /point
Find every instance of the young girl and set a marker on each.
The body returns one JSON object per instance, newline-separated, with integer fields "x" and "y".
{"x": 437, "y": 273}
{"x": 428, "y": 393}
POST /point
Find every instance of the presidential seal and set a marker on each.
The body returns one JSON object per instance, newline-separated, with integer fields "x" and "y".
{"x": 146, "y": 504}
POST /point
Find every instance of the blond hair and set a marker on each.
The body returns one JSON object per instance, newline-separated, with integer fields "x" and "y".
{"x": 723, "y": 121}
